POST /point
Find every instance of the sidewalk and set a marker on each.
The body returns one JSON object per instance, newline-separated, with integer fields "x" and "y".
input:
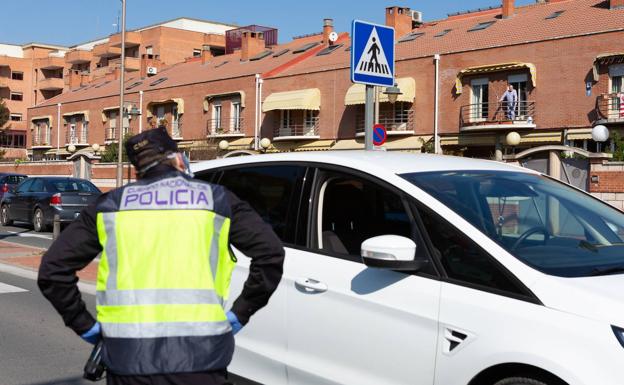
{"x": 29, "y": 257}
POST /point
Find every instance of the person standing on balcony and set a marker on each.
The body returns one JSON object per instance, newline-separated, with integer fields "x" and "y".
{"x": 510, "y": 102}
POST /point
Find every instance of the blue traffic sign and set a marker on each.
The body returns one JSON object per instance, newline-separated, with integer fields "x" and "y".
{"x": 372, "y": 54}
{"x": 379, "y": 134}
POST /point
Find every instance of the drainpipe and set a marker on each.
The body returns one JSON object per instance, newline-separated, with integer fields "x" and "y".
{"x": 140, "y": 111}
{"x": 436, "y": 106}
{"x": 259, "y": 111}
{"x": 58, "y": 130}
{"x": 255, "y": 142}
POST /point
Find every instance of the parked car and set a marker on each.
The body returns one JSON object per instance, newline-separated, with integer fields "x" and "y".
{"x": 36, "y": 200}
{"x": 8, "y": 181}
{"x": 425, "y": 269}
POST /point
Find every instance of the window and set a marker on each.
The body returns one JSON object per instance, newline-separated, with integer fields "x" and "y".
{"x": 463, "y": 260}
{"x": 73, "y": 185}
{"x": 158, "y": 81}
{"x": 160, "y": 114}
{"x": 261, "y": 55}
{"x": 440, "y": 34}
{"x": 17, "y": 75}
{"x": 519, "y": 83}
{"x": 481, "y": 26}
{"x": 37, "y": 186}
{"x": 221, "y": 64}
{"x": 616, "y": 74}
{"x": 410, "y": 37}
{"x": 197, "y": 52}
{"x": 310, "y": 121}
{"x": 480, "y": 94}
{"x": 353, "y": 209}
{"x": 135, "y": 84}
{"x": 274, "y": 192}
{"x": 112, "y": 125}
{"x": 236, "y": 116}
{"x": 554, "y": 15}
{"x": 25, "y": 186}
{"x": 280, "y": 53}
{"x": 306, "y": 47}
{"x": 17, "y": 96}
{"x": 149, "y": 50}
{"x": 16, "y": 117}
{"x": 328, "y": 50}
{"x": 286, "y": 120}
{"x": 216, "y": 116}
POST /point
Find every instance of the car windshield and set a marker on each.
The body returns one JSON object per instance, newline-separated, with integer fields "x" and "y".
{"x": 544, "y": 223}
{"x": 72, "y": 185}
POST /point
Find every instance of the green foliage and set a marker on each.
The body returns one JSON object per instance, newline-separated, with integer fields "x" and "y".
{"x": 110, "y": 154}
{"x": 5, "y": 114}
{"x": 618, "y": 154}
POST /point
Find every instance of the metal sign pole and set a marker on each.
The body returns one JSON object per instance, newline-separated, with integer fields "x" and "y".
{"x": 369, "y": 117}
{"x": 121, "y": 96}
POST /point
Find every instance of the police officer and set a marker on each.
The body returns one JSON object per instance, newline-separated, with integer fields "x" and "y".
{"x": 164, "y": 271}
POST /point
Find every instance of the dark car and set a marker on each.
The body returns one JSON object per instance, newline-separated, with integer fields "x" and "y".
{"x": 38, "y": 199}
{"x": 8, "y": 181}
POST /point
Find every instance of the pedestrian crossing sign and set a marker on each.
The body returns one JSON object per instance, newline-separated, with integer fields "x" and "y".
{"x": 372, "y": 54}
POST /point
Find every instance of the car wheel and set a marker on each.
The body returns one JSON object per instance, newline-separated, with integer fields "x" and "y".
{"x": 38, "y": 221}
{"x": 520, "y": 381}
{"x": 4, "y": 216}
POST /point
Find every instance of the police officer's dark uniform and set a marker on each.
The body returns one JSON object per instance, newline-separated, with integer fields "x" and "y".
{"x": 164, "y": 271}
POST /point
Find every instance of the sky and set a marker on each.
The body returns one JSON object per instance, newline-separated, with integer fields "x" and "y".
{"x": 70, "y": 22}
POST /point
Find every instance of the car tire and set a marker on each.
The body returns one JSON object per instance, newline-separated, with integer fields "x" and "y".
{"x": 39, "y": 221}
{"x": 4, "y": 216}
{"x": 520, "y": 381}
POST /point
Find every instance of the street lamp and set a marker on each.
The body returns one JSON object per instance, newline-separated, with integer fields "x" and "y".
{"x": 600, "y": 134}
{"x": 393, "y": 93}
{"x": 265, "y": 143}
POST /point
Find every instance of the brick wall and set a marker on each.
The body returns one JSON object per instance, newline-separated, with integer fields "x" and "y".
{"x": 610, "y": 183}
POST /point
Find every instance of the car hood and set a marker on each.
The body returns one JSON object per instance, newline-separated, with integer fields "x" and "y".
{"x": 598, "y": 298}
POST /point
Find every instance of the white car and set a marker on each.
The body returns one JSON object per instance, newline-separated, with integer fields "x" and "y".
{"x": 424, "y": 269}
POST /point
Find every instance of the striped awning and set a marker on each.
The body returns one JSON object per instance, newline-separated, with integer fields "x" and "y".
{"x": 495, "y": 68}
{"x": 178, "y": 101}
{"x": 606, "y": 59}
{"x": 579, "y": 134}
{"x": 308, "y": 99}
{"x": 356, "y": 94}
{"x": 43, "y": 117}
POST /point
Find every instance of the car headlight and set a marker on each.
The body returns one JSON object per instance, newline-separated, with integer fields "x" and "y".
{"x": 619, "y": 334}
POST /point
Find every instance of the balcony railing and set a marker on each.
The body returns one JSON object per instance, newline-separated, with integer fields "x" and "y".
{"x": 51, "y": 84}
{"x": 77, "y": 56}
{"x": 77, "y": 137}
{"x": 399, "y": 122}
{"x": 225, "y": 127}
{"x": 484, "y": 114}
{"x": 105, "y": 50}
{"x": 42, "y": 139}
{"x": 4, "y": 82}
{"x": 132, "y": 39}
{"x": 132, "y": 63}
{"x": 307, "y": 129}
{"x": 111, "y": 134}
{"x": 50, "y": 63}
{"x": 611, "y": 107}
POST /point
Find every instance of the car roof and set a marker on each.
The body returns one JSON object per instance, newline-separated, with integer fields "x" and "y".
{"x": 392, "y": 162}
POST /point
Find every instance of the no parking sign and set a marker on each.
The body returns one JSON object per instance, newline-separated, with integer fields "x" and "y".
{"x": 379, "y": 134}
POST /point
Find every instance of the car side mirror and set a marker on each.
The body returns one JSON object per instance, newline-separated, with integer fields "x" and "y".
{"x": 391, "y": 252}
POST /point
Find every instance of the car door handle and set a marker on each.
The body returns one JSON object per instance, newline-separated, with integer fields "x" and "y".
{"x": 310, "y": 285}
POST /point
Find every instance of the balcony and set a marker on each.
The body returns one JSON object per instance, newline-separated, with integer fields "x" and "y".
{"x": 399, "y": 123}
{"x": 42, "y": 139}
{"x": 78, "y": 56}
{"x": 132, "y": 63}
{"x": 111, "y": 134}
{"x": 51, "y": 84}
{"x": 77, "y": 138}
{"x": 50, "y": 63}
{"x": 307, "y": 130}
{"x": 493, "y": 116}
{"x": 4, "y": 82}
{"x": 132, "y": 39}
{"x": 224, "y": 128}
{"x": 610, "y": 108}
{"x": 105, "y": 50}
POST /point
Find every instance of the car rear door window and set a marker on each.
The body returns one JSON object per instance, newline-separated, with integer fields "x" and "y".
{"x": 273, "y": 191}
{"x": 69, "y": 185}
{"x": 37, "y": 186}
{"x": 25, "y": 186}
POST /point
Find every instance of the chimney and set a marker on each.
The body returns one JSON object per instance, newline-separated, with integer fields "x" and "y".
{"x": 400, "y": 19}
{"x": 149, "y": 61}
{"x": 206, "y": 54}
{"x": 616, "y": 4}
{"x": 252, "y": 44}
{"x": 328, "y": 27}
{"x": 508, "y": 8}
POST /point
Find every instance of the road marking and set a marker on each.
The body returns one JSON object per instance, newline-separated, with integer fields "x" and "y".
{"x": 4, "y": 289}
{"x": 30, "y": 274}
{"x": 30, "y": 235}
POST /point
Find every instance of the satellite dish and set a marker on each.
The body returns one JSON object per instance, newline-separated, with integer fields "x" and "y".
{"x": 333, "y": 37}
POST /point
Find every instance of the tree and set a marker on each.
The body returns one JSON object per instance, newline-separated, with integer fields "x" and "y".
{"x": 5, "y": 114}
{"x": 110, "y": 154}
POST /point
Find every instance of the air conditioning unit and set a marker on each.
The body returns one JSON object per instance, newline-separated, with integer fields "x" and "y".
{"x": 152, "y": 70}
{"x": 417, "y": 16}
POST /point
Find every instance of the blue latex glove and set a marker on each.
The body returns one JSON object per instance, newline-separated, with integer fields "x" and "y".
{"x": 93, "y": 335}
{"x": 236, "y": 325}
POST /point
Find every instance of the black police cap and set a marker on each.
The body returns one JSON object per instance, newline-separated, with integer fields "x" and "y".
{"x": 149, "y": 146}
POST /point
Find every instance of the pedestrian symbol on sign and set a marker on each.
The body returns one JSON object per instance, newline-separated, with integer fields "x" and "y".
{"x": 373, "y": 60}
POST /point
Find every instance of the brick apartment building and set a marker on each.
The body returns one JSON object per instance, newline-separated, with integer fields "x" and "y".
{"x": 563, "y": 56}
{"x": 34, "y": 73}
